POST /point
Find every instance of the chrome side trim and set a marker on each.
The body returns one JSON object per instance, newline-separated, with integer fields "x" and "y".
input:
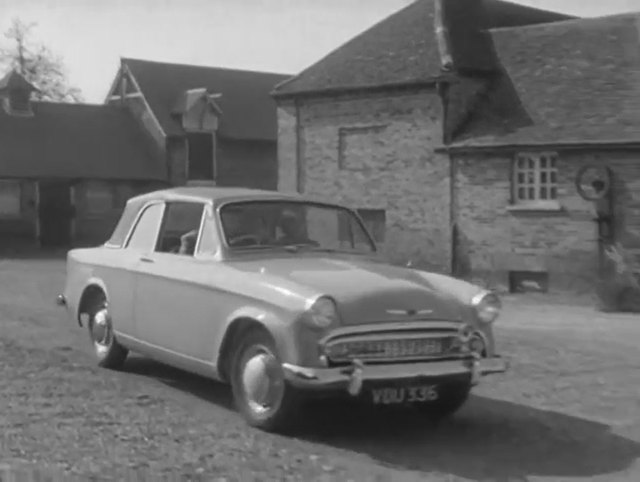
{"x": 173, "y": 358}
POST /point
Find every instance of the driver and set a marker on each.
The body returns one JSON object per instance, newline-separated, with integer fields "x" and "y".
{"x": 291, "y": 229}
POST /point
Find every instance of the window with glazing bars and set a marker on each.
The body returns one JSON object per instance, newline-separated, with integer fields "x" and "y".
{"x": 535, "y": 178}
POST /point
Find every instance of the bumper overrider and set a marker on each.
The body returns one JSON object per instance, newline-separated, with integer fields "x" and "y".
{"x": 352, "y": 378}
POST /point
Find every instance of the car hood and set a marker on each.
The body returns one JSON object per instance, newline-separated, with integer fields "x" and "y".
{"x": 366, "y": 291}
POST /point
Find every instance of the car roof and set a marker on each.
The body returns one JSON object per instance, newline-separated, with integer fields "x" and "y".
{"x": 217, "y": 195}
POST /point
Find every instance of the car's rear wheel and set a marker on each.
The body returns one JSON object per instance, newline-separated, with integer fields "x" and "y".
{"x": 260, "y": 391}
{"x": 452, "y": 396}
{"x": 109, "y": 352}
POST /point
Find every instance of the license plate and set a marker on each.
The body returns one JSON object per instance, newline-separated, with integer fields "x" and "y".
{"x": 397, "y": 395}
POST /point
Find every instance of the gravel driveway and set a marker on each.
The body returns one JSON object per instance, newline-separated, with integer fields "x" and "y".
{"x": 568, "y": 409}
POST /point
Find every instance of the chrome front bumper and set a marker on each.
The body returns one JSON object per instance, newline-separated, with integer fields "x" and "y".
{"x": 353, "y": 377}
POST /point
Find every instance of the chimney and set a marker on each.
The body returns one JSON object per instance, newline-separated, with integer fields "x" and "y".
{"x": 15, "y": 92}
{"x": 460, "y": 29}
{"x": 466, "y": 49}
{"x": 442, "y": 37}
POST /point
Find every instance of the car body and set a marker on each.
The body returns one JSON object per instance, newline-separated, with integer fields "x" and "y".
{"x": 282, "y": 297}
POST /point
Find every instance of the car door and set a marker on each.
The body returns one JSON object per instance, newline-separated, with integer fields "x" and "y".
{"x": 173, "y": 296}
{"x": 121, "y": 280}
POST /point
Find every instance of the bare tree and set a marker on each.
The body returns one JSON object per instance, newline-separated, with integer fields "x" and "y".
{"x": 37, "y": 63}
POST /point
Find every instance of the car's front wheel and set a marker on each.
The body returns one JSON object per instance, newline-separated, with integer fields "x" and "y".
{"x": 109, "y": 352}
{"x": 451, "y": 398}
{"x": 260, "y": 391}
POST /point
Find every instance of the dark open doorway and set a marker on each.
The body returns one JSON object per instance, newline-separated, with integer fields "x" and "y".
{"x": 201, "y": 147}
{"x": 56, "y": 214}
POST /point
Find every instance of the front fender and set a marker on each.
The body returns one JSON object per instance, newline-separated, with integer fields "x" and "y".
{"x": 276, "y": 321}
{"x": 463, "y": 292}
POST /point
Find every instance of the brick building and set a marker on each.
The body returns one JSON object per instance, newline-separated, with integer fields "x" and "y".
{"x": 66, "y": 170}
{"x": 457, "y": 128}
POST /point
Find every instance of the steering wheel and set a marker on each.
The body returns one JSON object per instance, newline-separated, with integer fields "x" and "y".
{"x": 244, "y": 240}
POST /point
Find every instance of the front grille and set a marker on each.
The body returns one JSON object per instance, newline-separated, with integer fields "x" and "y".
{"x": 391, "y": 348}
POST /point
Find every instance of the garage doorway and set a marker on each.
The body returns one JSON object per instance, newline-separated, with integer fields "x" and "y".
{"x": 55, "y": 211}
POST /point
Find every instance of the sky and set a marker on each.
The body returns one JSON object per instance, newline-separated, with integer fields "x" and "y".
{"x": 283, "y": 36}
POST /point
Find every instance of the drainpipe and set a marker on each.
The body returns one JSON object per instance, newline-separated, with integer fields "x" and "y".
{"x": 300, "y": 167}
{"x": 446, "y": 65}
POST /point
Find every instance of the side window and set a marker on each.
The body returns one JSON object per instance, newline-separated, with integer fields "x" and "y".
{"x": 209, "y": 236}
{"x": 180, "y": 228}
{"x": 145, "y": 232}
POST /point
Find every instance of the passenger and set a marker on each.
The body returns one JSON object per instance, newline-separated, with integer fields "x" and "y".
{"x": 188, "y": 242}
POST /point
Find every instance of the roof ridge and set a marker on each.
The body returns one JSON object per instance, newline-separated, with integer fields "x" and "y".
{"x": 561, "y": 23}
{"x": 204, "y": 67}
{"x": 74, "y": 104}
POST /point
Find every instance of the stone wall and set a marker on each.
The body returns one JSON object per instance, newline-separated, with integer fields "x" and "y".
{"x": 375, "y": 152}
{"x": 494, "y": 239}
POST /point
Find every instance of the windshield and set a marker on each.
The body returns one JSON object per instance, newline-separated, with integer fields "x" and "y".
{"x": 272, "y": 224}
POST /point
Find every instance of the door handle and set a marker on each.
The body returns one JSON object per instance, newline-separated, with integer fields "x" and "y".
{"x": 146, "y": 260}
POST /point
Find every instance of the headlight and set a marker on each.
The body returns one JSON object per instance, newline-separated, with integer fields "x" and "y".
{"x": 322, "y": 314}
{"x": 487, "y": 306}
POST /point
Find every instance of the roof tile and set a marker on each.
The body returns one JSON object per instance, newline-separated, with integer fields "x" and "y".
{"x": 565, "y": 82}
{"x": 249, "y": 112}
{"x": 75, "y": 141}
{"x": 402, "y": 48}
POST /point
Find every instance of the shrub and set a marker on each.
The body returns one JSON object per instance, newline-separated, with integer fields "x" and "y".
{"x": 618, "y": 289}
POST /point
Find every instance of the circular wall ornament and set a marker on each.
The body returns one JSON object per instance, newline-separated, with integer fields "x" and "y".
{"x": 593, "y": 182}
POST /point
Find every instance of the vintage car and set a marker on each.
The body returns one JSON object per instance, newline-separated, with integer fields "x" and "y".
{"x": 282, "y": 297}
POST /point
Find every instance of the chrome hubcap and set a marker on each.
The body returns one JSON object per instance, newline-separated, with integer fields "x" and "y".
{"x": 101, "y": 329}
{"x": 261, "y": 381}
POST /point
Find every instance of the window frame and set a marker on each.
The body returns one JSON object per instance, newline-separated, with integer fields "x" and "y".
{"x": 551, "y": 203}
{"x": 208, "y": 214}
{"x": 19, "y": 188}
{"x": 167, "y": 204}
{"x": 222, "y": 237}
{"x": 364, "y": 213}
{"x": 136, "y": 222}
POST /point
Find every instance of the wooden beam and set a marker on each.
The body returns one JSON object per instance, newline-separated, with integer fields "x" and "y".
{"x": 133, "y": 95}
